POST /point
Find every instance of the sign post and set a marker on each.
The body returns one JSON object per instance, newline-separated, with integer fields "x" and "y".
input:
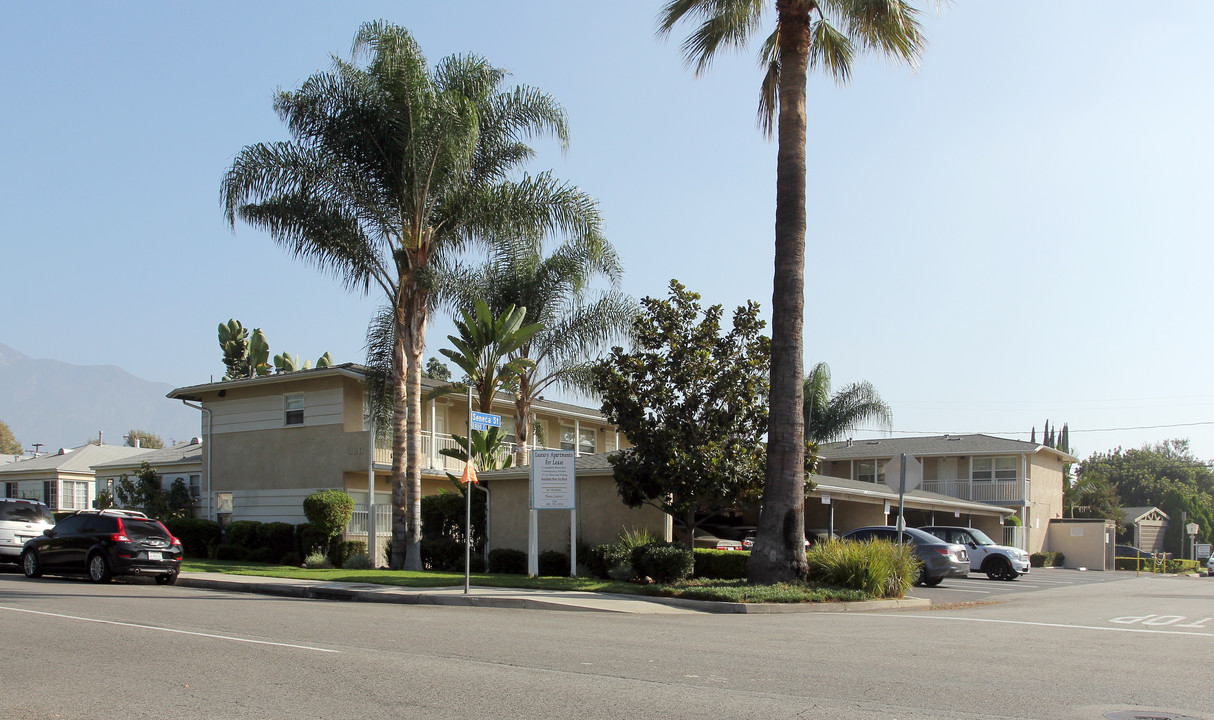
{"x": 553, "y": 487}
{"x": 909, "y": 476}
{"x": 1192, "y": 529}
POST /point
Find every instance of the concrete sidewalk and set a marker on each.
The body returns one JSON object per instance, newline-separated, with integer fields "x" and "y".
{"x": 516, "y": 598}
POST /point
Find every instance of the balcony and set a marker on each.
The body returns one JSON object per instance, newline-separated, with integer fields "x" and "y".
{"x": 989, "y": 491}
{"x": 432, "y": 459}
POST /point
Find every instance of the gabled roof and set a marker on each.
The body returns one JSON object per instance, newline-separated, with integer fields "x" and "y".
{"x": 75, "y": 460}
{"x": 935, "y": 445}
{"x": 1134, "y": 514}
{"x": 180, "y": 454}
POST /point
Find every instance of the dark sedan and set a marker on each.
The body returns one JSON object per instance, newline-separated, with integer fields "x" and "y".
{"x": 104, "y": 543}
{"x": 939, "y": 559}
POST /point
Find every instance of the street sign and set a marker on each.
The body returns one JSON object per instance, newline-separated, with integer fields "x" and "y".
{"x": 1192, "y": 528}
{"x": 893, "y": 470}
{"x": 484, "y": 421}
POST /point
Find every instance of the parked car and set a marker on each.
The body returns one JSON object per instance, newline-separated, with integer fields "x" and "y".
{"x": 1129, "y": 551}
{"x": 21, "y": 520}
{"x": 712, "y": 542}
{"x": 811, "y": 537}
{"x": 938, "y": 559}
{"x": 1210, "y": 566}
{"x": 104, "y": 543}
{"x": 999, "y": 562}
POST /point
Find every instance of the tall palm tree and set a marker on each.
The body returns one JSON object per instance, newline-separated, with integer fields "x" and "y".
{"x": 393, "y": 167}
{"x": 578, "y": 323}
{"x": 808, "y": 34}
{"x": 830, "y": 417}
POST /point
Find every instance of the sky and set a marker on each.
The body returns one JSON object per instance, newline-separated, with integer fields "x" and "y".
{"x": 1018, "y": 230}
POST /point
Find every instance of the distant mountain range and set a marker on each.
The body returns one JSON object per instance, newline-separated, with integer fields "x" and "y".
{"x": 63, "y": 405}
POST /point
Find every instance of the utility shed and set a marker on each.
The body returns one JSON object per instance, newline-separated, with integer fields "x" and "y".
{"x": 1086, "y": 543}
{"x": 1146, "y": 527}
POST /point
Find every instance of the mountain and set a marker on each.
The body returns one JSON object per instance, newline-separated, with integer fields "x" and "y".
{"x": 63, "y": 405}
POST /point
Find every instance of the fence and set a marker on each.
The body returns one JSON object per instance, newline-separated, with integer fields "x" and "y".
{"x": 1015, "y": 536}
{"x": 978, "y": 491}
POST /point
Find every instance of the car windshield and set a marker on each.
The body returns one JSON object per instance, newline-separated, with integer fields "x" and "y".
{"x": 140, "y": 529}
{"x": 26, "y": 512}
{"x": 981, "y": 537}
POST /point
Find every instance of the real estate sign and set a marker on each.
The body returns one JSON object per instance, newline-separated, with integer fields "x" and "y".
{"x": 553, "y": 484}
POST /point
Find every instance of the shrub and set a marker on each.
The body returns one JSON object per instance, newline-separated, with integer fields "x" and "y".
{"x": 663, "y": 562}
{"x": 342, "y": 549}
{"x": 554, "y": 563}
{"x": 721, "y": 564}
{"x": 444, "y": 516}
{"x": 292, "y": 558}
{"x": 243, "y": 533}
{"x": 1012, "y": 521}
{"x": 228, "y": 551}
{"x": 1047, "y": 559}
{"x": 312, "y": 539}
{"x": 506, "y": 560}
{"x": 877, "y": 568}
{"x": 278, "y": 536}
{"x": 317, "y": 560}
{"x": 358, "y": 561}
{"x": 197, "y": 536}
{"x": 329, "y": 511}
{"x": 442, "y": 554}
{"x": 602, "y": 559}
{"x": 262, "y": 555}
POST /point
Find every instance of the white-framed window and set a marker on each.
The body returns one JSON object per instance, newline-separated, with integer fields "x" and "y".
{"x": 872, "y": 471}
{"x": 195, "y": 486}
{"x": 508, "y": 429}
{"x": 586, "y": 441}
{"x": 50, "y": 493}
{"x": 75, "y": 495}
{"x": 987, "y": 469}
{"x": 567, "y": 437}
{"x": 294, "y": 404}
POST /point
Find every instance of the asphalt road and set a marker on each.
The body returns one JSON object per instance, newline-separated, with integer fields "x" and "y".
{"x": 137, "y": 650}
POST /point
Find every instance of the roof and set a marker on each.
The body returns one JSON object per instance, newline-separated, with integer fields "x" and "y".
{"x": 600, "y": 464}
{"x": 1134, "y": 514}
{"x": 179, "y": 454}
{"x": 358, "y": 372}
{"x": 935, "y": 445}
{"x": 75, "y": 460}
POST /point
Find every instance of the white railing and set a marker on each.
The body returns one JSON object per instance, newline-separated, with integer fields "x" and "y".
{"x": 433, "y": 460}
{"x": 1015, "y": 536}
{"x": 978, "y": 490}
{"x": 358, "y": 521}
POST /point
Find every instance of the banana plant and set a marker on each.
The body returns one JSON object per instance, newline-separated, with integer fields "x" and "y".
{"x": 487, "y": 451}
{"x": 482, "y": 349}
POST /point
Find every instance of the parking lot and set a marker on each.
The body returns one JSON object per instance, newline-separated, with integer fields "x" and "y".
{"x": 978, "y": 588}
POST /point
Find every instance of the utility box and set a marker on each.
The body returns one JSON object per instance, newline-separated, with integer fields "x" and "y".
{"x": 1086, "y": 543}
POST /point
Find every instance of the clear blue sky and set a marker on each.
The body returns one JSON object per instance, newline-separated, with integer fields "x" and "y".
{"x": 1019, "y": 231}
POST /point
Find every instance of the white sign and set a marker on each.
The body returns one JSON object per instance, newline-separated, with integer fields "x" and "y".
{"x": 483, "y": 421}
{"x": 893, "y": 470}
{"x": 826, "y": 498}
{"x": 1203, "y": 551}
{"x": 1192, "y": 528}
{"x": 553, "y": 484}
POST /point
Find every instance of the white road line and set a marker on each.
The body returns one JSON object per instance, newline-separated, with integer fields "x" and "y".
{"x": 170, "y": 630}
{"x": 952, "y": 589}
{"x": 1044, "y": 624}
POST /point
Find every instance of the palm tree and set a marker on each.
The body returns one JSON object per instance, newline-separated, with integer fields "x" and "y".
{"x": 392, "y": 169}
{"x": 808, "y": 34}
{"x": 577, "y": 323}
{"x": 830, "y": 417}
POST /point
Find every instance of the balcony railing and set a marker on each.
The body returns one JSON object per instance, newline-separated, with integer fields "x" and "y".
{"x": 979, "y": 490}
{"x": 432, "y": 459}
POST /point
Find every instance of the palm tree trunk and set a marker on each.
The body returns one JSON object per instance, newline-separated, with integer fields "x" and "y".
{"x": 415, "y": 343}
{"x": 400, "y": 513}
{"x": 781, "y": 531}
{"x": 522, "y": 409}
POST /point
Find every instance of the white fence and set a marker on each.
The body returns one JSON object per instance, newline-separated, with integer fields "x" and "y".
{"x": 433, "y": 460}
{"x": 1015, "y": 536}
{"x": 358, "y": 521}
{"x": 978, "y": 491}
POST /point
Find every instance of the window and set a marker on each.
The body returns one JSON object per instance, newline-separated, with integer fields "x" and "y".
{"x": 295, "y": 409}
{"x": 195, "y": 486}
{"x": 508, "y": 430}
{"x": 567, "y": 433}
{"x": 75, "y": 495}
{"x": 872, "y": 471}
{"x": 1001, "y": 468}
{"x": 10, "y": 489}
{"x": 585, "y": 441}
{"x": 50, "y": 493}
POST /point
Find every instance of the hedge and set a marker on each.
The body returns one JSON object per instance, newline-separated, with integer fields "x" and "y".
{"x": 554, "y": 563}
{"x": 721, "y": 564}
{"x": 505, "y": 560}
{"x": 243, "y": 533}
{"x": 663, "y": 562}
{"x": 602, "y": 559}
{"x": 1047, "y": 559}
{"x": 197, "y": 536}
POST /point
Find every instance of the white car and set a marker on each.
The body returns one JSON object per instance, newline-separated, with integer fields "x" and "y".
{"x": 1210, "y": 566}
{"x": 999, "y": 562}
{"x": 21, "y": 520}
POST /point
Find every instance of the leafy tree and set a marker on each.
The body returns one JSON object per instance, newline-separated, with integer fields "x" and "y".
{"x": 144, "y": 438}
{"x": 437, "y": 370}
{"x": 1093, "y": 496}
{"x": 487, "y": 452}
{"x": 8, "y": 442}
{"x": 691, "y": 401}
{"x": 393, "y": 169}
{"x": 555, "y": 289}
{"x": 146, "y": 494}
{"x": 482, "y": 348}
{"x": 329, "y": 511}
{"x": 1166, "y": 475}
{"x": 809, "y": 34}
{"x": 830, "y": 417}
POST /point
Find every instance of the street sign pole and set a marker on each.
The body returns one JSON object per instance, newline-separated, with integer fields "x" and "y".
{"x": 901, "y": 496}
{"x": 468, "y": 509}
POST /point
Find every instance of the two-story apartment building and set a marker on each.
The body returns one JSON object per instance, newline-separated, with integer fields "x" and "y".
{"x": 268, "y": 442}
{"x": 1023, "y": 476}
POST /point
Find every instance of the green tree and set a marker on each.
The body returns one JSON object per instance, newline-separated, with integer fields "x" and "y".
{"x": 242, "y": 356}
{"x": 487, "y": 452}
{"x": 143, "y": 439}
{"x": 482, "y": 351}
{"x": 330, "y": 511}
{"x": 830, "y": 417}
{"x": 1093, "y": 496}
{"x": 437, "y": 370}
{"x": 8, "y": 442}
{"x": 146, "y": 494}
{"x": 393, "y": 168}
{"x": 691, "y": 401}
{"x": 808, "y": 34}
{"x": 578, "y": 323}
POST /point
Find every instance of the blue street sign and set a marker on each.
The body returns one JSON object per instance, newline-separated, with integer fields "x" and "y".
{"x": 484, "y": 421}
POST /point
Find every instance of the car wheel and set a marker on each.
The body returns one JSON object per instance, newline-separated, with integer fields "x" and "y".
{"x": 1000, "y": 569}
{"x": 29, "y": 564}
{"x": 921, "y": 576}
{"x": 99, "y": 569}
{"x": 167, "y": 579}
{"x": 932, "y": 582}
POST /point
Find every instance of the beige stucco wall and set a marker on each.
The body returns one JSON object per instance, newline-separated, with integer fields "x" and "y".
{"x": 601, "y": 516}
{"x": 1083, "y": 542}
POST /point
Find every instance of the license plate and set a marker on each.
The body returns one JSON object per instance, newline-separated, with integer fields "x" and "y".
{"x": 152, "y": 555}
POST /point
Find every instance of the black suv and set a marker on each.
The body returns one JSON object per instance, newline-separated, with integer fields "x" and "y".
{"x": 104, "y": 543}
